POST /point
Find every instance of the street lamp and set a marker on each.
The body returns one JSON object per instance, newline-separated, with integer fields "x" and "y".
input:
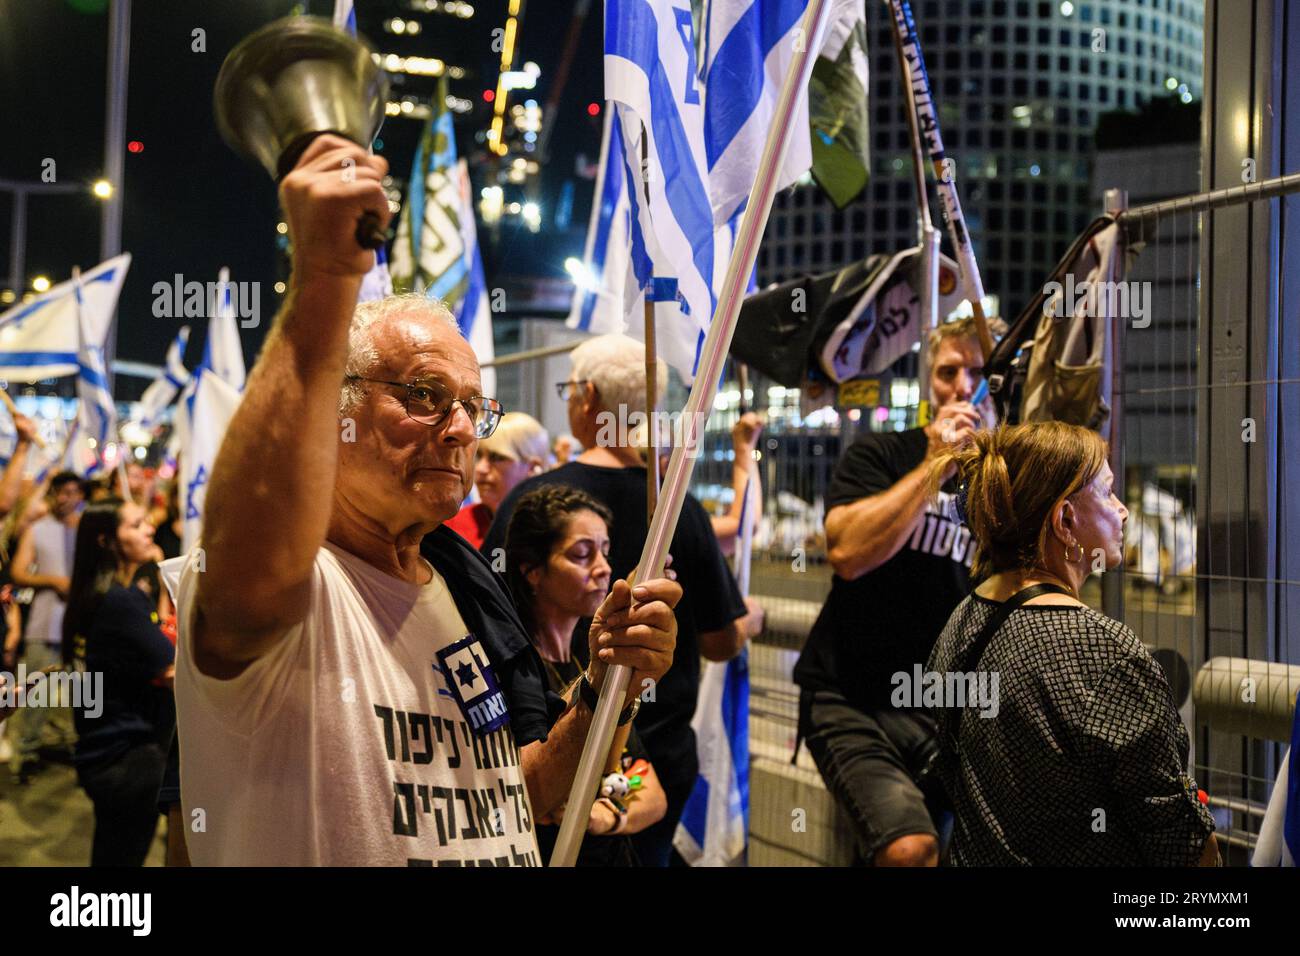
{"x": 41, "y": 284}
{"x": 102, "y": 189}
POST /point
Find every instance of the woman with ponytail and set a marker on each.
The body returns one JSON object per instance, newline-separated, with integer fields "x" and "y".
{"x": 1072, "y": 752}
{"x": 119, "y": 649}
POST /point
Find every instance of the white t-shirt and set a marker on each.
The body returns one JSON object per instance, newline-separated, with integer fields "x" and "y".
{"x": 345, "y": 745}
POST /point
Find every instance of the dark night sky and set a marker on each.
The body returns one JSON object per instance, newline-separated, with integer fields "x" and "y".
{"x": 191, "y": 205}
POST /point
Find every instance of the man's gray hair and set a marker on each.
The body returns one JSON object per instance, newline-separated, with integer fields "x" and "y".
{"x": 615, "y": 364}
{"x": 363, "y": 356}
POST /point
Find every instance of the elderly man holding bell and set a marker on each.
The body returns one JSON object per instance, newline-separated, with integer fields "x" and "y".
{"x": 347, "y": 695}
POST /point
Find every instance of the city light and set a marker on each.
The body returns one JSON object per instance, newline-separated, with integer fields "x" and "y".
{"x": 135, "y": 146}
{"x": 41, "y": 284}
{"x": 102, "y": 189}
{"x": 490, "y": 201}
{"x": 593, "y": 109}
{"x": 581, "y": 275}
{"x": 532, "y": 216}
{"x": 282, "y": 228}
{"x": 1067, "y": 8}
{"x": 8, "y": 296}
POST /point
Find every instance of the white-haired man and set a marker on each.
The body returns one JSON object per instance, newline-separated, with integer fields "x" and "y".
{"x": 606, "y": 391}
{"x": 345, "y": 694}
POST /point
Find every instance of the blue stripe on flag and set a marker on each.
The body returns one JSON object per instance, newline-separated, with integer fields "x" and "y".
{"x": 739, "y": 69}
{"x": 92, "y": 375}
{"x": 24, "y": 359}
{"x": 610, "y": 191}
{"x": 633, "y": 34}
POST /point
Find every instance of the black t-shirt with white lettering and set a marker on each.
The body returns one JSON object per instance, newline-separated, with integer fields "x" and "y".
{"x": 887, "y": 620}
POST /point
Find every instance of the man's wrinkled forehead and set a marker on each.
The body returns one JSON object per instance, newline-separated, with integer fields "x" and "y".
{"x": 416, "y": 345}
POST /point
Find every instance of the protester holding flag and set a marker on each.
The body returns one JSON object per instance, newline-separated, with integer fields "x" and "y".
{"x": 606, "y": 386}
{"x": 323, "y": 560}
{"x": 557, "y": 569}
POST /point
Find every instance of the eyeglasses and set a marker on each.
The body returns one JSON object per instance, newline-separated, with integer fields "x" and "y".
{"x": 429, "y": 403}
{"x": 562, "y": 388}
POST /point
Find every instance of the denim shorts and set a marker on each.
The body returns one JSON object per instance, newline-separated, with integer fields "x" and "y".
{"x": 875, "y": 763}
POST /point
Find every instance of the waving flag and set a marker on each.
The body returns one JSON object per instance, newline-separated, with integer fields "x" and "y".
{"x": 206, "y": 407}
{"x": 651, "y": 75}
{"x": 42, "y": 338}
{"x": 598, "y": 298}
{"x": 378, "y": 283}
{"x": 223, "y": 353}
{"x": 714, "y": 826}
{"x": 473, "y": 314}
{"x": 1279, "y": 835}
{"x": 345, "y": 16}
{"x": 96, "y": 414}
{"x": 163, "y": 389}
{"x": 747, "y": 48}
{"x": 429, "y": 252}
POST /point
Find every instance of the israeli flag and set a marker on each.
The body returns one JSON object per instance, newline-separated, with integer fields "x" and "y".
{"x": 378, "y": 283}
{"x": 714, "y": 826}
{"x": 42, "y": 338}
{"x": 96, "y": 414}
{"x": 223, "y": 353}
{"x": 473, "y": 312}
{"x": 1279, "y": 835}
{"x": 345, "y": 16}
{"x": 163, "y": 389}
{"x": 8, "y": 436}
{"x": 747, "y": 48}
{"x": 205, "y": 410}
{"x": 605, "y": 288}
{"x": 651, "y": 75}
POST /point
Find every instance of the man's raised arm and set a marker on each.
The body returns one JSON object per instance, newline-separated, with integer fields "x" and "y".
{"x": 269, "y": 502}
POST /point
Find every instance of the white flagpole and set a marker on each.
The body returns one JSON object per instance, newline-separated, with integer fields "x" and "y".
{"x": 712, "y": 356}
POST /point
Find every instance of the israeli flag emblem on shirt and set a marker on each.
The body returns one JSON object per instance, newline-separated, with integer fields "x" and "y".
{"x": 474, "y": 687}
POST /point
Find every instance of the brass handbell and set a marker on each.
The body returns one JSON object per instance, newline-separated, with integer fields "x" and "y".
{"x": 291, "y": 81}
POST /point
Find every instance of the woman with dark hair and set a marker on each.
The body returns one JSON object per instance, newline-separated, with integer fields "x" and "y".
{"x": 112, "y": 630}
{"x": 1071, "y": 751}
{"x": 557, "y": 545}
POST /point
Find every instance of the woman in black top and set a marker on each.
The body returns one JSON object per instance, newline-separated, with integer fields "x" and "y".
{"x": 112, "y": 630}
{"x": 557, "y": 544}
{"x": 1068, "y": 748}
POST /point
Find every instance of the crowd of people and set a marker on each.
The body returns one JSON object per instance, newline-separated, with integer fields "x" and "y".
{"x": 401, "y": 665}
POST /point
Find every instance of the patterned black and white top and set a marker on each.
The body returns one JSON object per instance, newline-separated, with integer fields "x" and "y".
{"x": 1084, "y": 763}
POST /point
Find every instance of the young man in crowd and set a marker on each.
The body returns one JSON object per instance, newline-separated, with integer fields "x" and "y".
{"x": 901, "y": 564}
{"x": 43, "y": 561}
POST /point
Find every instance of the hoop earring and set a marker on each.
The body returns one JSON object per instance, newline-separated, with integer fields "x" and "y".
{"x": 1067, "y": 553}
